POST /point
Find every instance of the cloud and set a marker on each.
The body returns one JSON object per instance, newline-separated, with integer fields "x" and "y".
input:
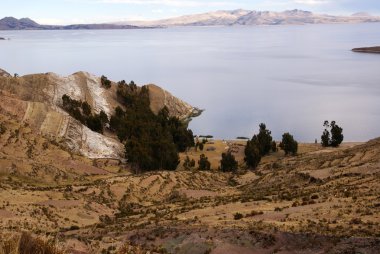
{"x": 173, "y": 3}
{"x": 312, "y": 2}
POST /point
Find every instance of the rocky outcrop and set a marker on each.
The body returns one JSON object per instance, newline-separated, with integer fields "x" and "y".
{"x": 37, "y": 100}
{"x": 159, "y": 98}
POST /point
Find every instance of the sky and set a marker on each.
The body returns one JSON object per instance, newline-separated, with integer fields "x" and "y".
{"x": 99, "y": 11}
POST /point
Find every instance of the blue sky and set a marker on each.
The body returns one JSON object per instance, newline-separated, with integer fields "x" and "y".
{"x": 97, "y": 11}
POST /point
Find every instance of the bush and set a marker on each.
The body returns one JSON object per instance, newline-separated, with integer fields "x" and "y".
{"x": 288, "y": 144}
{"x": 228, "y": 163}
{"x": 3, "y": 129}
{"x": 238, "y": 216}
{"x": 332, "y": 135}
{"x": 203, "y": 163}
{"x": 188, "y": 164}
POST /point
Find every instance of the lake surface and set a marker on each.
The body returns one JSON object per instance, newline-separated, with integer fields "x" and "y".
{"x": 290, "y": 77}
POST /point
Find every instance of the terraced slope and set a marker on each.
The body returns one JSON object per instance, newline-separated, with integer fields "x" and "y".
{"x": 321, "y": 201}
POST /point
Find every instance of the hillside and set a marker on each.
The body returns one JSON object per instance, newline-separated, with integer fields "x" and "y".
{"x": 36, "y": 100}
{"x": 246, "y": 17}
{"x": 62, "y": 182}
{"x": 321, "y": 201}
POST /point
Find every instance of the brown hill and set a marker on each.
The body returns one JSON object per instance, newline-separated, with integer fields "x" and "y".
{"x": 37, "y": 100}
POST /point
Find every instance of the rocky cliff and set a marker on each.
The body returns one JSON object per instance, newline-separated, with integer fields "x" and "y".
{"x": 37, "y": 101}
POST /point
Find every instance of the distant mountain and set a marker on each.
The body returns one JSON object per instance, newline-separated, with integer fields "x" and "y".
{"x": 361, "y": 14}
{"x": 246, "y": 17}
{"x": 216, "y": 18}
{"x": 11, "y": 23}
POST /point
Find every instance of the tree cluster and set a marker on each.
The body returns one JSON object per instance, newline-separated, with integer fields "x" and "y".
{"x": 82, "y": 111}
{"x": 332, "y": 135}
{"x": 260, "y": 145}
{"x": 203, "y": 163}
{"x": 289, "y": 144}
{"x": 152, "y": 142}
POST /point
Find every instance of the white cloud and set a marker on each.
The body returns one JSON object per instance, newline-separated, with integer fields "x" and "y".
{"x": 311, "y": 2}
{"x": 175, "y": 3}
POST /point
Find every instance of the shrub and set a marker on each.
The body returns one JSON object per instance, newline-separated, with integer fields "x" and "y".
{"x": 288, "y": 144}
{"x": 188, "y": 164}
{"x": 203, "y": 163}
{"x": 238, "y": 216}
{"x": 3, "y": 129}
{"x": 228, "y": 162}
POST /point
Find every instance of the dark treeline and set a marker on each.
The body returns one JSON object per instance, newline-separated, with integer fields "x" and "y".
{"x": 151, "y": 141}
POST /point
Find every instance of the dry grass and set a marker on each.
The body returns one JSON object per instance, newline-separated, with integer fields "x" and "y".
{"x": 26, "y": 244}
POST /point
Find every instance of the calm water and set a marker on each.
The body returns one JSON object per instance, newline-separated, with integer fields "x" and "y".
{"x": 290, "y": 77}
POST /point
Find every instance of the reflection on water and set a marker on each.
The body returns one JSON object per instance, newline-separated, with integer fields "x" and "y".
{"x": 290, "y": 77}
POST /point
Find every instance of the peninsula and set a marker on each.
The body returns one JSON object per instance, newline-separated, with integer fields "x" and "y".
{"x": 373, "y": 50}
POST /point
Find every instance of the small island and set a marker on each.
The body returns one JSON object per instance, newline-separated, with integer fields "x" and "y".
{"x": 375, "y": 50}
{"x": 1, "y": 38}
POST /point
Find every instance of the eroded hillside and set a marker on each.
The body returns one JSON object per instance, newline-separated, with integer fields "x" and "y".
{"x": 37, "y": 101}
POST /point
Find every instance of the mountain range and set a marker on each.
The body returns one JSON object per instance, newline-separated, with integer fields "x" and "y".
{"x": 217, "y": 18}
{"x": 11, "y": 23}
{"x": 247, "y": 17}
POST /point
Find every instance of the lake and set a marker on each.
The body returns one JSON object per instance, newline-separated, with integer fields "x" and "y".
{"x": 290, "y": 77}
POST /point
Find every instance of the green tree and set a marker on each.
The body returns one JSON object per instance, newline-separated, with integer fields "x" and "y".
{"x": 203, "y": 163}
{"x": 252, "y": 153}
{"x": 336, "y": 134}
{"x": 264, "y": 139}
{"x": 228, "y": 162}
{"x": 288, "y": 144}
{"x": 332, "y": 134}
